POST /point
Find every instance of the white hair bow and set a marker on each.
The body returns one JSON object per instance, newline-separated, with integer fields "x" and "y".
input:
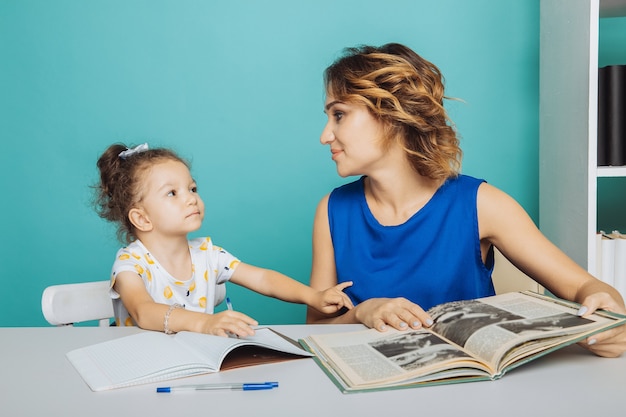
{"x": 137, "y": 149}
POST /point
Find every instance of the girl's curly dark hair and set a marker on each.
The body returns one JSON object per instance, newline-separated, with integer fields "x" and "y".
{"x": 120, "y": 186}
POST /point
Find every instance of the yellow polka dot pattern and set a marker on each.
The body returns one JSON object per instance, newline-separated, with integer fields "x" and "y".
{"x": 168, "y": 293}
{"x": 210, "y": 264}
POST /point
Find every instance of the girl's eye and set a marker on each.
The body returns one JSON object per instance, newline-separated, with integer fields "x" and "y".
{"x": 171, "y": 193}
{"x": 194, "y": 189}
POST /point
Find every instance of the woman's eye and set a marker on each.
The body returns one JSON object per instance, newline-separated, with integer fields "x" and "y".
{"x": 338, "y": 115}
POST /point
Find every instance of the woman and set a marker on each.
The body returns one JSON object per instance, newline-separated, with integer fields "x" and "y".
{"x": 413, "y": 232}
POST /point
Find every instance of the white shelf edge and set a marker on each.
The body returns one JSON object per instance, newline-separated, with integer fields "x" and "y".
{"x": 611, "y": 172}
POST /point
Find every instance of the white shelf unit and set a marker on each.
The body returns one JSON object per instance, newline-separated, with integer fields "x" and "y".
{"x": 568, "y": 108}
{"x": 611, "y": 172}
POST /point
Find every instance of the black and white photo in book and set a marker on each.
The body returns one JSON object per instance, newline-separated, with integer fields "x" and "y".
{"x": 471, "y": 340}
{"x": 417, "y": 349}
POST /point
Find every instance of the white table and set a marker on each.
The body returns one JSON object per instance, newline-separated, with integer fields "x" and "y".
{"x": 37, "y": 380}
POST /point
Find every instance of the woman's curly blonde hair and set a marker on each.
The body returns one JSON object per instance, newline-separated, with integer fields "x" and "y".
{"x": 405, "y": 92}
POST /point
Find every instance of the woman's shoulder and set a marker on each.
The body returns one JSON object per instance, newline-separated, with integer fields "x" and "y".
{"x": 466, "y": 180}
{"x": 351, "y": 188}
{"x": 464, "y": 184}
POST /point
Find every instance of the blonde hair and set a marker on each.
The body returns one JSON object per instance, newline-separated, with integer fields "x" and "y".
{"x": 405, "y": 92}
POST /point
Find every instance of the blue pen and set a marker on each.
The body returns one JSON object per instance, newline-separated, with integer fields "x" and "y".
{"x": 230, "y": 307}
{"x": 236, "y": 386}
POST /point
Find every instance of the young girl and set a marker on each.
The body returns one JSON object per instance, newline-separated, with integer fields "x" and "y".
{"x": 165, "y": 281}
{"x": 413, "y": 232}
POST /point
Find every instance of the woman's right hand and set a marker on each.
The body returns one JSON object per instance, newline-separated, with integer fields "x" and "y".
{"x": 398, "y": 313}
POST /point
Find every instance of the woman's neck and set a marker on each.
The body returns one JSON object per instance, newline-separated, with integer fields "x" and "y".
{"x": 396, "y": 194}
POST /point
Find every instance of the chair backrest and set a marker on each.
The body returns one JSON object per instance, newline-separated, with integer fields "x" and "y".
{"x": 67, "y": 304}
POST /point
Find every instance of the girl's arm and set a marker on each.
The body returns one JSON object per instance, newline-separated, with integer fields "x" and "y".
{"x": 150, "y": 315}
{"x": 505, "y": 224}
{"x": 377, "y": 312}
{"x": 274, "y": 284}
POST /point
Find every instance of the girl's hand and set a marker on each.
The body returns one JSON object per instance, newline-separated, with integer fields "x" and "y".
{"x": 227, "y": 323}
{"x": 611, "y": 343}
{"x": 399, "y": 313}
{"x": 333, "y": 299}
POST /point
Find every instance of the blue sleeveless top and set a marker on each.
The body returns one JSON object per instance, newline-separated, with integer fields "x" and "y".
{"x": 432, "y": 258}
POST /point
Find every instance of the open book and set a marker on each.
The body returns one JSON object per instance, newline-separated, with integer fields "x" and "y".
{"x": 471, "y": 340}
{"x": 153, "y": 356}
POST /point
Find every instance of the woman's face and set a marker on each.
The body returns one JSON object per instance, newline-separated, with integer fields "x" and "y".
{"x": 355, "y": 137}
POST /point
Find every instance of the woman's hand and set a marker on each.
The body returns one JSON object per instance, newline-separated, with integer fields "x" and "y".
{"x": 333, "y": 299}
{"x": 399, "y": 313}
{"x": 226, "y": 323}
{"x": 611, "y": 343}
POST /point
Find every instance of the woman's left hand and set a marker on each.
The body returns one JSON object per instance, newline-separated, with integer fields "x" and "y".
{"x": 611, "y": 343}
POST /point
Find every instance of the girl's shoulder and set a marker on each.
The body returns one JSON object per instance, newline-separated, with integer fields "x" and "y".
{"x": 206, "y": 245}
{"x": 201, "y": 243}
{"x": 133, "y": 250}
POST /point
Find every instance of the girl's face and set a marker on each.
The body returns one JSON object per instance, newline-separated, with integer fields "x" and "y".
{"x": 170, "y": 199}
{"x": 355, "y": 137}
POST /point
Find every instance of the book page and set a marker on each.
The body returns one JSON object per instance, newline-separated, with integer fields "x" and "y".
{"x": 368, "y": 357}
{"x": 140, "y": 358}
{"x": 490, "y": 327}
{"x": 153, "y": 356}
{"x": 466, "y": 342}
{"x": 215, "y": 348}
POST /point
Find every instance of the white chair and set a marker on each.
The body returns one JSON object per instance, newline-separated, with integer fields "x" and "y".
{"x": 66, "y": 304}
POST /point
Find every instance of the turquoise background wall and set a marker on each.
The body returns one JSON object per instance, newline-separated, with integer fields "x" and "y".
{"x": 235, "y": 87}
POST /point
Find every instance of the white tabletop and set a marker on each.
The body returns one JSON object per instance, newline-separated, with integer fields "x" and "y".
{"x": 38, "y": 380}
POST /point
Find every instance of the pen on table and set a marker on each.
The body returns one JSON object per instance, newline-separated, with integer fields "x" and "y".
{"x": 234, "y": 386}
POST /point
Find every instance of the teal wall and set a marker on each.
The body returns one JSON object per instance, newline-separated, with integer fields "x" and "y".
{"x": 236, "y": 87}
